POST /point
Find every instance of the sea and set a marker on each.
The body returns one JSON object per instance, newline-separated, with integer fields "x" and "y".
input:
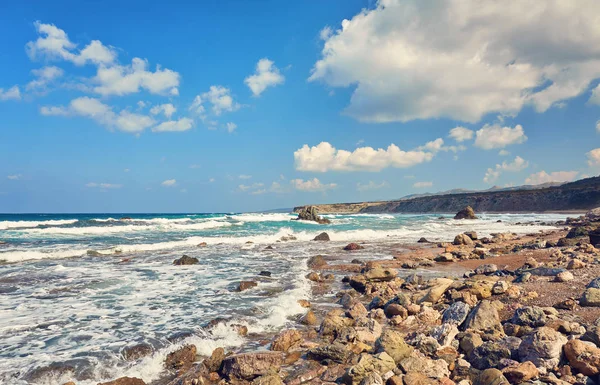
{"x": 76, "y": 289}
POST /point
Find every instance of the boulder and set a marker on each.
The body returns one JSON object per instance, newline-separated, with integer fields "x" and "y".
{"x": 214, "y": 362}
{"x": 471, "y": 234}
{"x": 336, "y": 352}
{"x": 531, "y": 316}
{"x": 245, "y": 285}
{"x": 422, "y": 240}
{"x": 125, "y": 381}
{"x": 435, "y": 293}
{"x": 444, "y": 333}
{"x": 316, "y": 262}
{"x": 466, "y": 213}
{"x": 380, "y": 274}
{"x": 269, "y": 379}
{"x": 430, "y": 368}
{"x": 309, "y": 213}
{"x": 353, "y": 246}
{"x": 565, "y": 276}
{"x": 181, "y": 358}
{"x": 486, "y": 269}
{"x": 488, "y": 355}
{"x": 248, "y": 366}
{"x": 521, "y": 373}
{"x": 186, "y": 260}
{"x": 286, "y": 340}
{"x": 484, "y": 317}
{"x": 372, "y": 379}
{"x": 456, "y": 313}
{"x": 583, "y": 356}
{"x": 595, "y": 237}
{"x": 462, "y": 239}
{"x": 322, "y": 237}
{"x": 392, "y": 342}
{"x": 542, "y": 347}
{"x": 594, "y": 283}
{"x": 575, "y": 264}
{"x": 491, "y": 377}
{"x": 591, "y": 297}
{"x": 380, "y": 363}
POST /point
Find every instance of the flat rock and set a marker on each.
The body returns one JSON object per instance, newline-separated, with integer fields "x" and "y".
{"x": 456, "y": 313}
{"x": 248, "y": 366}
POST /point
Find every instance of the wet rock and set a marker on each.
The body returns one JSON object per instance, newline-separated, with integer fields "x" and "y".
{"x": 214, "y": 362}
{"x": 422, "y": 240}
{"x": 353, "y": 246}
{"x": 309, "y": 319}
{"x": 367, "y": 364}
{"x": 181, "y": 358}
{"x": 542, "y": 347}
{"x": 248, "y": 366}
{"x": 456, "y": 313}
{"x": 316, "y": 262}
{"x": 322, "y": 237}
{"x": 484, "y": 317}
{"x": 521, "y": 373}
{"x": 309, "y": 213}
{"x": 462, "y": 239}
{"x": 491, "y": 377}
{"x": 488, "y": 355}
{"x": 583, "y": 357}
{"x": 471, "y": 234}
{"x": 286, "y": 340}
{"x": 265, "y": 274}
{"x": 466, "y": 213}
{"x": 186, "y": 260}
{"x": 245, "y": 285}
{"x": 392, "y": 342}
{"x": 333, "y": 352}
{"x": 125, "y": 381}
{"x": 135, "y": 352}
{"x": 591, "y": 297}
{"x": 532, "y": 316}
{"x": 595, "y": 237}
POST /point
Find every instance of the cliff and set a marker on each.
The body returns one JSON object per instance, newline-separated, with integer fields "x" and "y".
{"x": 575, "y": 196}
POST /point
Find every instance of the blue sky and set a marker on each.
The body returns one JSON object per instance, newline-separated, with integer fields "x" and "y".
{"x": 240, "y": 106}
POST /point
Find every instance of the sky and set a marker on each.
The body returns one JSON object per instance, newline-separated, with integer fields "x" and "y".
{"x": 231, "y": 105}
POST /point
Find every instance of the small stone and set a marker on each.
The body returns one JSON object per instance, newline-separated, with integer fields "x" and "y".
{"x": 500, "y": 287}
{"x": 521, "y": 373}
{"x": 575, "y": 264}
{"x": 462, "y": 239}
{"x": 486, "y": 269}
{"x": 304, "y": 303}
{"x": 565, "y": 276}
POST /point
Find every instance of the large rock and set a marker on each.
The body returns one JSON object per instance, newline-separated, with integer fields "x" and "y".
{"x": 286, "y": 340}
{"x": 591, "y": 297}
{"x": 488, "y": 355}
{"x": 135, "y": 352}
{"x": 491, "y": 377}
{"x": 245, "y": 285}
{"x": 380, "y": 363}
{"x": 466, "y": 213}
{"x": 353, "y": 246}
{"x": 484, "y": 317}
{"x": 309, "y": 213}
{"x": 521, "y": 373}
{"x": 430, "y": 368}
{"x": 583, "y": 356}
{"x": 248, "y": 366}
{"x": 181, "y": 358}
{"x": 392, "y": 342}
{"x": 125, "y": 381}
{"x": 322, "y": 237}
{"x": 542, "y": 347}
{"x": 463, "y": 239}
{"x": 214, "y": 362}
{"x": 316, "y": 262}
{"x": 334, "y": 352}
{"x": 532, "y": 316}
{"x": 595, "y": 237}
{"x": 456, "y": 313}
{"x": 435, "y": 293}
{"x": 380, "y": 274}
{"x": 186, "y": 260}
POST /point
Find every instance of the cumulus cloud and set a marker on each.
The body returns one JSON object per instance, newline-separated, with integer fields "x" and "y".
{"x": 461, "y": 134}
{"x": 503, "y": 153}
{"x": 492, "y": 174}
{"x": 179, "y": 125}
{"x": 169, "y": 182}
{"x": 593, "y": 157}
{"x": 103, "y": 114}
{"x": 167, "y": 109}
{"x": 556, "y": 176}
{"x": 494, "y": 136}
{"x": 13, "y": 93}
{"x": 245, "y": 176}
{"x": 404, "y": 75}
{"x": 422, "y": 184}
{"x": 324, "y": 157}
{"x": 438, "y": 145}
{"x": 129, "y": 79}
{"x": 103, "y": 185}
{"x": 54, "y": 44}
{"x": 230, "y": 127}
{"x": 44, "y": 76}
{"x": 266, "y": 75}
{"x": 371, "y": 186}
{"x": 253, "y": 186}
{"x": 311, "y": 185}
{"x": 220, "y": 99}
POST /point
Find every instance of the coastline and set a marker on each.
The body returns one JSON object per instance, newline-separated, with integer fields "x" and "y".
{"x": 344, "y": 330}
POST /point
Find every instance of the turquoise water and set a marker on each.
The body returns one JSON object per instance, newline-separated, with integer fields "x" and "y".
{"x": 77, "y": 289}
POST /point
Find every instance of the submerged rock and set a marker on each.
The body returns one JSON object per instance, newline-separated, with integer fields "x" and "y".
{"x": 186, "y": 260}
{"x": 245, "y": 285}
{"x": 322, "y": 237}
{"x": 181, "y": 358}
{"x": 135, "y": 352}
{"x": 353, "y": 246}
{"x": 466, "y": 213}
{"x": 316, "y": 262}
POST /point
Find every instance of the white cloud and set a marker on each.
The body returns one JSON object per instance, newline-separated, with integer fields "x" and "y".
{"x": 13, "y": 93}
{"x": 461, "y": 134}
{"x": 103, "y": 114}
{"x": 311, "y": 185}
{"x": 14, "y": 177}
{"x": 141, "y": 104}
{"x": 593, "y": 157}
{"x": 324, "y": 157}
{"x": 220, "y": 99}
{"x": 45, "y": 76}
{"x": 503, "y": 153}
{"x": 245, "y": 176}
{"x": 492, "y": 174}
{"x": 461, "y": 59}
{"x": 128, "y": 79}
{"x": 258, "y": 192}
{"x": 598, "y": 126}
{"x": 180, "y": 125}
{"x": 231, "y": 127}
{"x": 438, "y": 145}
{"x": 169, "y": 182}
{"x": 326, "y": 33}
{"x": 167, "y": 109}
{"x": 54, "y": 44}
{"x": 266, "y": 75}
{"x": 194, "y": 166}
{"x": 371, "y": 186}
{"x": 103, "y": 185}
{"x": 253, "y": 186}
{"x": 494, "y": 136}
{"x": 278, "y": 188}
{"x": 422, "y": 184}
{"x": 557, "y": 176}
{"x": 211, "y": 180}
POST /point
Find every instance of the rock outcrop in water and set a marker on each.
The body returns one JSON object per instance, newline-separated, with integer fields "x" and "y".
{"x": 309, "y": 213}
{"x": 466, "y": 213}
{"x": 580, "y": 195}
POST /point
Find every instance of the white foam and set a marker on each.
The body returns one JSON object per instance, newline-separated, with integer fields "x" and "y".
{"x": 267, "y": 217}
{"x": 4, "y": 225}
{"x": 102, "y": 230}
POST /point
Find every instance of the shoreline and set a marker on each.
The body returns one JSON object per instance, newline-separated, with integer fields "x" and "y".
{"x": 298, "y": 359}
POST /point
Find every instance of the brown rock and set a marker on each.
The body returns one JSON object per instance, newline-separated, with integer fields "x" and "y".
{"x": 393, "y": 344}
{"x": 353, "y": 246}
{"x": 357, "y": 310}
{"x": 286, "y": 340}
{"x": 269, "y": 379}
{"x": 181, "y": 358}
{"x": 466, "y": 213}
{"x": 213, "y": 364}
{"x": 186, "y": 260}
{"x": 316, "y": 262}
{"x": 394, "y": 309}
{"x": 322, "y": 237}
{"x": 575, "y": 264}
{"x": 309, "y": 319}
{"x": 304, "y": 303}
{"x": 491, "y": 377}
{"x": 135, "y": 352}
{"x": 583, "y": 357}
{"x": 416, "y": 378}
{"x": 521, "y": 373}
{"x": 125, "y": 381}
{"x": 245, "y": 285}
{"x": 248, "y": 366}
{"x": 463, "y": 239}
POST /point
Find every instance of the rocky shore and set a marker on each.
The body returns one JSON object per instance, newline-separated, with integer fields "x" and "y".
{"x": 501, "y": 310}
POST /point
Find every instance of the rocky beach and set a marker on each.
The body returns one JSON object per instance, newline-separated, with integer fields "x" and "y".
{"x": 504, "y": 309}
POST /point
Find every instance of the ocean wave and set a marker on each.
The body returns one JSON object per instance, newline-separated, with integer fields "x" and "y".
{"x": 103, "y": 230}
{"x": 5, "y": 225}
{"x": 259, "y": 217}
